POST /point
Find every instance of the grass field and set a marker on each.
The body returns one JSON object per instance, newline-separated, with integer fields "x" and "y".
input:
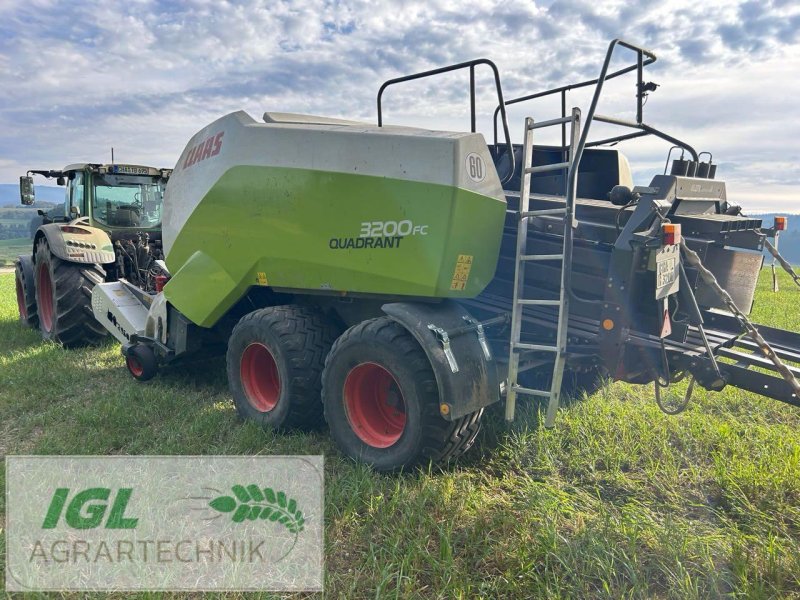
{"x": 10, "y": 249}
{"x": 619, "y": 501}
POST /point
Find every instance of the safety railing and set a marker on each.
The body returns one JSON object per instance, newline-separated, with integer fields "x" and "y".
{"x": 643, "y": 59}
{"x": 473, "y": 117}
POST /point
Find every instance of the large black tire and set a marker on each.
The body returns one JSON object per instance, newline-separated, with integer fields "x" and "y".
{"x": 64, "y": 299}
{"x": 382, "y": 402}
{"x": 275, "y": 359}
{"x": 26, "y": 291}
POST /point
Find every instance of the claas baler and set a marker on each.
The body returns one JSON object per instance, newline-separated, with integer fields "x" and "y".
{"x": 394, "y": 282}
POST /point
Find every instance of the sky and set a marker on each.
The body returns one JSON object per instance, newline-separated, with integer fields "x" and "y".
{"x": 77, "y": 78}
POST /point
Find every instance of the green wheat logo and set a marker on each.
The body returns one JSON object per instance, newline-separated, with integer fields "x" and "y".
{"x": 253, "y": 503}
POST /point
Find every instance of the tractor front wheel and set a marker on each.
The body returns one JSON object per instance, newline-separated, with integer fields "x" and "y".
{"x": 382, "y": 402}
{"x": 64, "y": 299}
{"x": 275, "y": 359}
{"x": 26, "y": 291}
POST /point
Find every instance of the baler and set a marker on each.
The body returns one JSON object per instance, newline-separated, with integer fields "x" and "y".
{"x": 394, "y": 282}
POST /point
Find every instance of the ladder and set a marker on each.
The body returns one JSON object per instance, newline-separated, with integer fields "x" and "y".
{"x": 517, "y": 346}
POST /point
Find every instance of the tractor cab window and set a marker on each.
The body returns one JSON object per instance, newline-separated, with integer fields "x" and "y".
{"x": 127, "y": 201}
{"x": 67, "y": 199}
{"x": 75, "y": 196}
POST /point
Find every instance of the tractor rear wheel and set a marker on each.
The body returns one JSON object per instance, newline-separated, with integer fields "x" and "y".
{"x": 64, "y": 299}
{"x": 382, "y": 402}
{"x": 26, "y": 291}
{"x": 275, "y": 359}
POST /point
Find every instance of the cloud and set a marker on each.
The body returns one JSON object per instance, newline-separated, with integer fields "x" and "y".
{"x": 143, "y": 76}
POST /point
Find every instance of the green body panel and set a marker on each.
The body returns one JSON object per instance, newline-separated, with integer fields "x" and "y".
{"x": 304, "y": 229}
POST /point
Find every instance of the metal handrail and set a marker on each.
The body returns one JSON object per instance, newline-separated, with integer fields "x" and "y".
{"x": 639, "y": 67}
{"x": 643, "y": 128}
{"x": 562, "y": 90}
{"x": 471, "y": 65}
{"x": 601, "y": 79}
{"x": 651, "y": 58}
{"x": 572, "y": 174}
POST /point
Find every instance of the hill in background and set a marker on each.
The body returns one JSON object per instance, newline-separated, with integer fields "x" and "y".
{"x": 18, "y": 223}
{"x": 9, "y": 194}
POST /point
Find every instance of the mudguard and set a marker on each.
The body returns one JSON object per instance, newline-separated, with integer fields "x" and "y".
{"x": 77, "y": 243}
{"x": 466, "y": 374}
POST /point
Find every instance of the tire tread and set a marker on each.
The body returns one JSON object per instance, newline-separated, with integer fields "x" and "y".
{"x": 442, "y": 440}
{"x": 74, "y": 323}
{"x": 29, "y": 291}
{"x": 307, "y": 335}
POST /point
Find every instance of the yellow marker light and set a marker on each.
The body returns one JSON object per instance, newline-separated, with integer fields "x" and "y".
{"x": 608, "y": 324}
{"x": 781, "y": 223}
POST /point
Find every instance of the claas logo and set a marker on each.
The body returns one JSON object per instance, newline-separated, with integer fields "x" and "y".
{"x": 87, "y": 509}
{"x": 205, "y": 149}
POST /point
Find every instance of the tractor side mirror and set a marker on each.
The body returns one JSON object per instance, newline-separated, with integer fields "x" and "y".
{"x": 60, "y": 181}
{"x": 27, "y": 194}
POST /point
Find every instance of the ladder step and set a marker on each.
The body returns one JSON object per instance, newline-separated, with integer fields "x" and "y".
{"x": 535, "y": 347}
{"x": 550, "y": 123}
{"x": 540, "y": 213}
{"x": 542, "y": 257}
{"x": 544, "y": 168}
{"x": 530, "y": 391}
{"x": 536, "y": 302}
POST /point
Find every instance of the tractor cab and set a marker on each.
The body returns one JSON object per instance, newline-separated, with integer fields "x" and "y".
{"x": 118, "y": 199}
{"x": 109, "y": 228}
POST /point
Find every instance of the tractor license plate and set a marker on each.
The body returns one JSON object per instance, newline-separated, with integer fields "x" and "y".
{"x": 668, "y": 261}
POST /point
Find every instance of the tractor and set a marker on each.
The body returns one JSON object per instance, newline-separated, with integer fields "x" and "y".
{"x": 108, "y": 228}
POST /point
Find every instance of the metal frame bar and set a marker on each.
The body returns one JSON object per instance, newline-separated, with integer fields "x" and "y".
{"x": 646, "y": 129}
{"x": 639, "y": 67}
{"x": 471, "y": 64}
{"x": 641, "y": 63}
{"x": 617, "y": 138}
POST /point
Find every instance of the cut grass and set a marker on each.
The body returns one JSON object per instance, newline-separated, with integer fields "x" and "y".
{"x": 618, "y": 501}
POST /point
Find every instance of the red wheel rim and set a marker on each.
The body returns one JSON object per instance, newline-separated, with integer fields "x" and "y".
{"x": 45, "y": 287}
{"x": 260, "y": 378}
{"x": 374, "y": 404}
{"x": 23, "y": 309}
{"x": 134, "y": 366}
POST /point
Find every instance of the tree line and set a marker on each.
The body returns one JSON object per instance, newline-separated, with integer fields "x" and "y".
{"x": 21, "y": 222}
